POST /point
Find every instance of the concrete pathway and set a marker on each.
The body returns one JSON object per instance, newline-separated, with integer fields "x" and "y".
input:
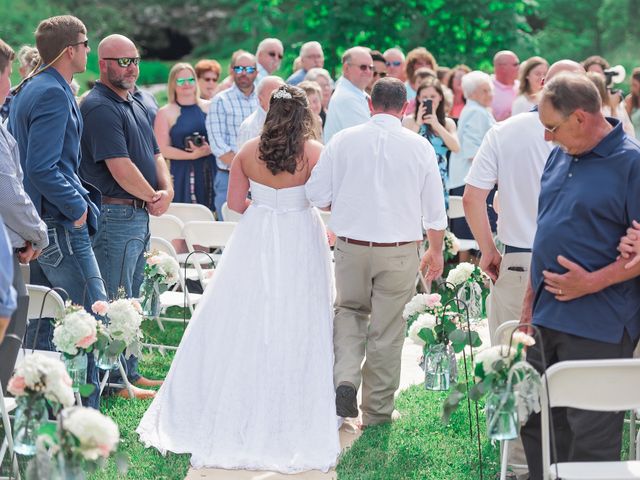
{"x": 411, "y": 374}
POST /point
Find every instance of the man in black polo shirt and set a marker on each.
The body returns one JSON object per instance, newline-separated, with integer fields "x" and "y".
{"x": 121, "y": 157}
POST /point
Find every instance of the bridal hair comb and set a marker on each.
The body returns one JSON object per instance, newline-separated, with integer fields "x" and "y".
{"x": 282, "y": 94}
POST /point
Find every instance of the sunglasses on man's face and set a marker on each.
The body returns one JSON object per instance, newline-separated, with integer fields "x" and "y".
{"x": 395, "y": 63}
{"x": 275, "y": 54}
{"x": 239, "y": 69}
{"x": 364, "y": 67}
{"x": 124, "y": 62}
{"x": 185, "y": 81}
{"x": 380, "y": 74}
{"x": 82, "y": 42}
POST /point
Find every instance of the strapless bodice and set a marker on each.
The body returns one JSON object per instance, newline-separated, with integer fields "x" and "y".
{"x": 279, "y": 199}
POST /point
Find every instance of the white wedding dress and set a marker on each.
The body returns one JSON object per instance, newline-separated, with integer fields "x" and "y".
{"x": 251, "y": 385}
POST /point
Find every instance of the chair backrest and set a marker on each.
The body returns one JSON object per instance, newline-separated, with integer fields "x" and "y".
{"x": 456, "y": 209}
{"x": 230, "y": 215}
{"x": 53, "y": 303}
{"x": 600, "y": 385}
{"x": 162, "y": 245}
{"x": 165, "y": 226}
{"x": 503, "y": 332}
{"x": 190, "y": 212}
{"x": 208, "y": 234}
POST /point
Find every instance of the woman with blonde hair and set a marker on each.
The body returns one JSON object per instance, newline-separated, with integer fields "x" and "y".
{"x": 182, "y": 137}
{"x": 531, "y": 78}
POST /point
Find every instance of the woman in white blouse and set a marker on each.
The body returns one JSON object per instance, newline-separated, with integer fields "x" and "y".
{"x": 532, "y": 73}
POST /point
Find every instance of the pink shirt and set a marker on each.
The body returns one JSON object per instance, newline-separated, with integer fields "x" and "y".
{"x": 503, "y": 97}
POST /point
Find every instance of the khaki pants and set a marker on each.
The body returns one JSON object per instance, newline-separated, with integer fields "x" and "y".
{"x": 373, "y": 285}
{"x": 505, "y": 303}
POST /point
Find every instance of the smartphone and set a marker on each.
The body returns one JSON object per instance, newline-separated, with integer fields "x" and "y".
{"x": 428, "y": 106}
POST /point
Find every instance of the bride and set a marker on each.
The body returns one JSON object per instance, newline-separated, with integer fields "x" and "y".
{"x": 251, "y": 384}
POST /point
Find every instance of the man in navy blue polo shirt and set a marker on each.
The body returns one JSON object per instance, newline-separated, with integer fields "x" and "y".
{"x": 121, "y": 157}
{"x": 585, "y": 304}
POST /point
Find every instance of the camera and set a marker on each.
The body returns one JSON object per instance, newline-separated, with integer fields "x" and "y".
{"x": 428, "y": 107}
{"x": 614, "y": 75}
{"x": 196, "y": 138}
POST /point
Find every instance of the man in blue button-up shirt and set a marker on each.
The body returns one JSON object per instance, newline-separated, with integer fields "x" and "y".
{"x": 585, "y": 304}
{"x": 46, "y": 123}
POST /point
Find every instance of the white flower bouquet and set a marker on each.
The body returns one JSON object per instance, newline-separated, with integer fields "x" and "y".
{"x": 38, "y": 375}
{"x": 160, "y": 273}
{"x": 75, "y": 332}
{"x": 122, "y": 331}
{"x": 467, "y": 282}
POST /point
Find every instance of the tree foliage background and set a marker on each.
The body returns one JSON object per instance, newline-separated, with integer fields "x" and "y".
{"x": 456, "y": 31}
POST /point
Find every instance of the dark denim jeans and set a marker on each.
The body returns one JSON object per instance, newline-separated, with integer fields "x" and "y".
{"x": 220, "y": 187}
{"x": 119, "y": 246}
{"x": 69, "y": 263}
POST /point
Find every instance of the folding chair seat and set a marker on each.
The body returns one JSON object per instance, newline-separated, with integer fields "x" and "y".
{"x": 209, "y": 235}
{"x": 169, "y": 227}
{"x": 456, "y": 210}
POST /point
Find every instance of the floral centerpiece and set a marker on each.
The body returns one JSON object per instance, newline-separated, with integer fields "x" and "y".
{"x": 435, "y": 328}
{"x": 121, "y": 333}
{"x": 160, "y": 273}
{"x": 467, "y": 281}
{"x": 80, "y": 442}
{"x": 37, "y": 380}
{"x": 450, "y": 246}
{"x": 510, "y": 384}
{"x": 74, "y": 335}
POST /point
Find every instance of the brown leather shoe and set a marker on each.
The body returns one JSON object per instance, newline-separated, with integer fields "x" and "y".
{"x": 138, "y": 393}
{"x": 147, "y": 382}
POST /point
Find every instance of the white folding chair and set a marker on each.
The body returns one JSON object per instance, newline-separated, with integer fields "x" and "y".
{"x": 600, "y": 385}
{"x": 190, "y": 212}
{"x": 7, "y": 405}
{"x": 230, "y": 215}
{"x": 209, "y": 235}
{"x": 169, "y": 227}
{"x": 456, "y": 210}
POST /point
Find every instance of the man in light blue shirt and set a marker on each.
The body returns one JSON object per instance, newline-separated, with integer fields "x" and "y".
{"x": 7, "y": 292}
{"x": 311, "y": 56}
{"x": 226, "y": 113}
{"x": 348, "y": 106}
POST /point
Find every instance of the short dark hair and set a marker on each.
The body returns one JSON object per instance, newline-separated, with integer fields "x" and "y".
{"x": 568, "y": 92}
{"x": 6, "y": 56}
{"x": 376, "y": 56}
{"x": 55, "y": 34}
{"x": 595, "y": 60}
{"x": 389, "y": 95}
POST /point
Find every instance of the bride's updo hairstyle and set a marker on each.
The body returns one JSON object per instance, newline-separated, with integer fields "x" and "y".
{"x": 288, "y": 125}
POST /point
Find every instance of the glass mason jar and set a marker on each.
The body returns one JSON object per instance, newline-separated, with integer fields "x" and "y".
{"x": 471, "y": 295}
{"x": 440, "y": 367}
{"x": 107, "y": 360}
{"x": 67, "y": 469}
{"x": 150, "y": 299}
{"x": 31, "y": 413}
{"x": 77, "y": 369}
{"x": 501, "y": 410}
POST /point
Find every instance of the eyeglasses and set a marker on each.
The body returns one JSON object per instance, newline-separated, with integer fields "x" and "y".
{"x": 364, "y": 67}
{"x": 379, "y": 74}
{"x": 275, "y": 54}
{"x": 210, "y": 79}
{"x": 82, "y": 42}
{"x": 239, "y": 69}
{"x": 395, "y": 63}
{"x": 185, "y": 81}
{"x": 554, "y": 129}
{"x": 124, "y": 62}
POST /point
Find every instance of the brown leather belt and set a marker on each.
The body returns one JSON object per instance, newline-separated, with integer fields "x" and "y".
{"x": 362, "y": 243}
{"x": 133, "y": 202}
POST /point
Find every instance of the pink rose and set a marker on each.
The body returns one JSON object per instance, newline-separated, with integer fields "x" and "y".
{"x": 104, "y": 450}
{"x": 136, "y": 305}
{"x": 153, "y": 260}
{"x": 100, "y": 308}
{"x": 433, "y": 300}
{"x": 87, "y": 341}
{"x": 16, "y": 386}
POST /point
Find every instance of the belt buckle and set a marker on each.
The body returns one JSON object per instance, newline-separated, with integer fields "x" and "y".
{"x": 137, "y": 203}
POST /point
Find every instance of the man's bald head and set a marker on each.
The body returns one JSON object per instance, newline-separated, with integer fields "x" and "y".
{"x": 564, "y": 66}
{"x": 113, "y": 45}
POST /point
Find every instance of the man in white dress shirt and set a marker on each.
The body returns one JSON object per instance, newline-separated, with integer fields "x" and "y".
{"x": 380, "y": 181}
{"x": 251, "y": 126}
{"x": 348, "y": 105}
{"x": 512, "y": 155}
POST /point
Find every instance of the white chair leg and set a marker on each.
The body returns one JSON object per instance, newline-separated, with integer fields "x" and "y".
{"x": 504, "y": 459}
{"x": 125, "y": 379}
{"x": 632, "y": 436}
{"x": 78, "y": 399}
{"x": 7, "y": 443}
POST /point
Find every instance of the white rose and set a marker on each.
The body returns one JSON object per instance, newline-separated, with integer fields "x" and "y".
{"x": 491, "y": 355}
{"x": 97, "y": 434}
{"x": 425, "y": 320}
{"x": 461, "y": 273}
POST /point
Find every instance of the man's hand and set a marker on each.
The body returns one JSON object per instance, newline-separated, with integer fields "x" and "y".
{"x": 629, "y": 246}
{"x": 161, "y": 204}
{"x": 27, "y": 253}
{"x": 490, "y": 264}
{"x": 4, "y": 323}
{"x": 82, "y": 220}
{"x": 227, "y": 158}
{"x": 574, "y": 283}
{"x": 434, "y": 262}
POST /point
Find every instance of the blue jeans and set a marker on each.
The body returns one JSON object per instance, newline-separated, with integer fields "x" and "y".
{"x": 69, "y": 263}
{"x": 119, "y": 246}
{"x": 220, "y": 186}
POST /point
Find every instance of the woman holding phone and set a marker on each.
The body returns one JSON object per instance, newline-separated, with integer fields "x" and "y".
{"x": 428, "y": 119}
